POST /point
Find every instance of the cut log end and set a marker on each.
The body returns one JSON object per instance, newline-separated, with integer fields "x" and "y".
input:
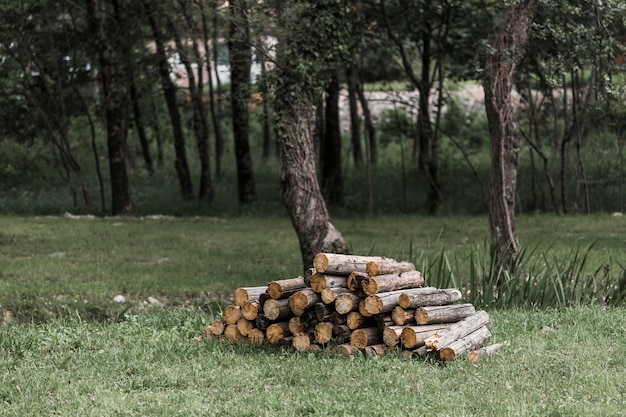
{"x": 320, "y": 262}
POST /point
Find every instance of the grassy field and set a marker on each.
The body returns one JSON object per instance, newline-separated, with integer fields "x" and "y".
{"x": 67, "y": 348}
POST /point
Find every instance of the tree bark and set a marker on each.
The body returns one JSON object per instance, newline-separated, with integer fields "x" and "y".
{"x": 116, "y": 140}
{"x": 169, "y": 93}
{"x": 240, "y": 62}
{"x": 355, "y": 121}
{"x": 332, "y": 183}
{"x": 500, "y": 68}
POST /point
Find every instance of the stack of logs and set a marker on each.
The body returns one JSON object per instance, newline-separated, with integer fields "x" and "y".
{"x": 352, "y": 303}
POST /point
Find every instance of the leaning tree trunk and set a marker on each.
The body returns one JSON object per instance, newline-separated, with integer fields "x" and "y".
{"x": 120, "y": 189}
{"x": 500, "y": 68}
{"x": 301, "y": 193}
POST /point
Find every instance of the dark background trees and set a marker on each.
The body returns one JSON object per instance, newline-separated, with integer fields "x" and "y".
{"x": 85, "y": 87}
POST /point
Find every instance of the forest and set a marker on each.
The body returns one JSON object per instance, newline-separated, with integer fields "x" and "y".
{"x": 119, "y": 107}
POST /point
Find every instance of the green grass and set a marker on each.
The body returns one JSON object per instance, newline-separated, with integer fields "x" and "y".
{"x": 147, "y": 365}
{"x": 53, "y": 266}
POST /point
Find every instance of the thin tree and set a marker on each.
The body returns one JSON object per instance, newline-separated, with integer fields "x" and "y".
{"x": 107, "y": 57}
{"x": 332, "y": 182}
{"x": 240, "y": 62}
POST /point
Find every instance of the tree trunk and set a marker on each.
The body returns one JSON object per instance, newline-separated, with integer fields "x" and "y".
{"x": 169, "y": 93}
{"x": 240, "y": 61}
{"x": 120, "y": 190}
{"x": 500, "y": 69}
{"x": 355, "y": 121}
{"x": 332, "y": 183}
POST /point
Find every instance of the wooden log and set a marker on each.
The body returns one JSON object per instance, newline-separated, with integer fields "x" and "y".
{"x": 308, "y": 274}
{"x": 277, "y": 309}
{"x": 319, "y": 281}
{"x": 354, "y": 281}
{"x": 250, "y": 309}
{"x": 347, "y": 302}
{"x": 474, "y": 355}
{"x": 332, "y": 263}
{"x": 303, "y": 299}
{"x": 443, "y": 314}
{"x": 391, "y": 335}
{"x": 346, "y": 349}
{"x": 323, "y": 311}
{"x": 277, "y": 331}
{"x": 295, "y": 326}
{"x": 301, "y": 342}
{"x": 457, "y": 330}
{"x": 323, "y": 332}
{"x": 354, "y": 320}
{"x": 392, "y": 282}
{"x": 421, "y": 297}
{"x": 383, "y": 320}
{"x": 336, "y": 318}
{"x": 279, "y": 289}
{"x": 217, "y": 327}
{"x": 400, "y": 316}
{"x": 341, "y": 333}
{"x": 244, "y": 326}
{"x": 232, "y": 333}
{"x": 385, "y": 266}
{"x": 415, "y": 336}
{"x": 381, "y": 303}
{"x": 328, "y": 295}
{"x": 365, "y": 337}
{"x": 308, "y": 319}
{"x": 375, "y": 350}
{"x": 206, "y": 333}
{"x": 472, "y": 341}
{"x": 285, "y": 342}
{"x": 243, "y": 294}
{"x": 262, "y": 322}
{"x": 418, "y": 353}
{"x": 256, "y": 336}
{"x": 231, "y": 314}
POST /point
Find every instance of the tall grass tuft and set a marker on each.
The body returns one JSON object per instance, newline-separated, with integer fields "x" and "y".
{"x": 540, "y": 279}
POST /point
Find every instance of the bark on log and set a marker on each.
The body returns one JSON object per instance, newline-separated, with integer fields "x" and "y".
{"x": 375, "y": 350}
{"x": 231, "y": 314}
{"x": 472, "y": 341}
{"x": 443, "y": 314}
{"x": 391, "y": 335}
{"x": 332, "y": 263}
{"x": 244, "y": 326}
{"x": 458, "y": 330}
{"x": 354, "y": 281}
{"x": 381, "y": 303}
{"x": 328, "y": 295}
{"x": 206, "y": 333}
{"x": 320, "y": 281}
{"x": 323, "y": 311}
{"x": 346, "y": 349}
{"x": 280, "y": 289}
{"x": 415, "y": 298}
{"x": 392, "y": 282}
{"x": 323, "y": 332}
{"x": 277, "y": 331}
{"x": 474, "y": 355}
{"x": 347, "y": 302}
{"x": 244, "y": 294}
{"x": 415, "y": 336}
{"x": 217, "y": 327}
{"x": 401, "y": 316}
{"x": 341, "y": 333}
{"x": 337, "y": 318}
{"x": 386, "y": 266}
{"x": 262, "y": 322}
{"x": 277, "y": 309}
{"x": 308, "y": 274}
{"x": 365, "y": 337}
{"x": 303, "y": 299}
{"x": 250, "y": 309}
{"x": 256, "y": 336}
{"x": 232, "y": 333}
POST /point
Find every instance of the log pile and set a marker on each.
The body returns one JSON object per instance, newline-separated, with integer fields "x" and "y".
{"x": 350, "y": 303}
